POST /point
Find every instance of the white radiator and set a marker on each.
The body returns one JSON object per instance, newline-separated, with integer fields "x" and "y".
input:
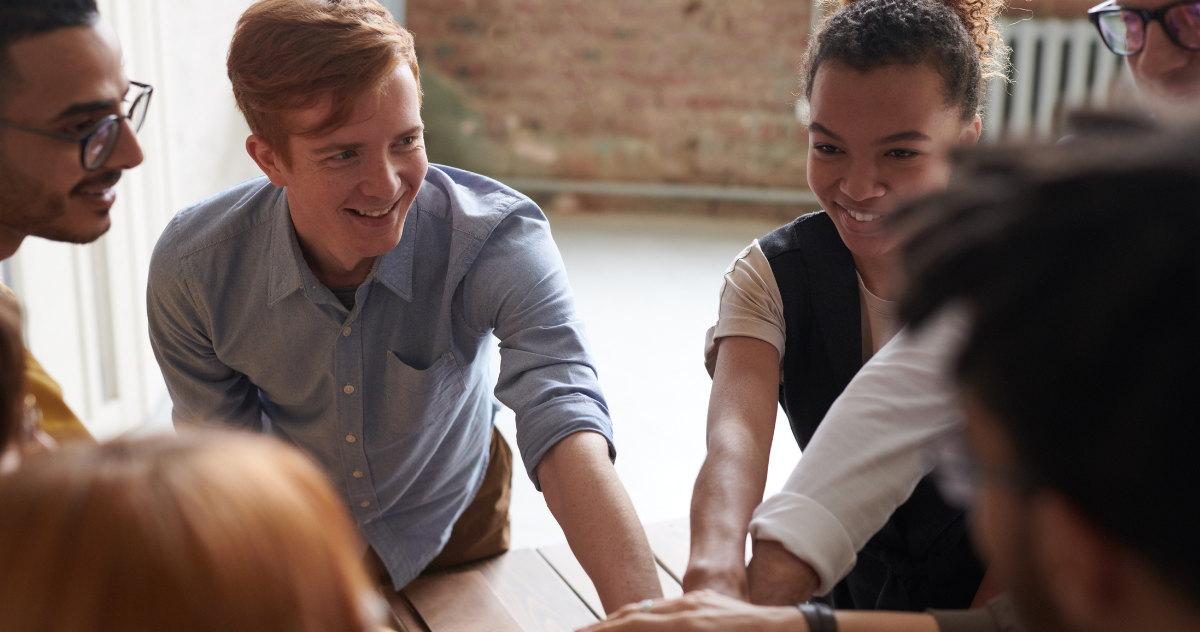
{"x": 1057, "y": 66}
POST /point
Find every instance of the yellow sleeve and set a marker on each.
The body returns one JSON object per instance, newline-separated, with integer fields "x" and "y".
{"x": 57, "y": 419}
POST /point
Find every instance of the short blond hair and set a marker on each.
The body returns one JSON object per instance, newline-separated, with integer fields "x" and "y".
{"x": 212, "y": 531}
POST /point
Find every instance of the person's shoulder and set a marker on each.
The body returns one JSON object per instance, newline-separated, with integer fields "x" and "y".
{"x": 220, "y": 218}
{"x": 474, "y": 203}
{"x": 799, "y": 234}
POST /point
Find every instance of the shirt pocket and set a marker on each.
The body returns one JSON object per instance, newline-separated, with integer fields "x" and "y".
{"x": 419, "y": 398}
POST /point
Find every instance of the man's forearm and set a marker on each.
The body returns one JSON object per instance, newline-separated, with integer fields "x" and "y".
{"x": 590, "y": 503}
{"x": 777, "y": 577}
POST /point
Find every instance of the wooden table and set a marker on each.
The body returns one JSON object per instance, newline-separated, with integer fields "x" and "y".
{"x": 530, "y": 590}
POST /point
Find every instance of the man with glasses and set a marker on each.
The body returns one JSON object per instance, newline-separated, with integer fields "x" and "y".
{"x": 68, "y": 118}
{"x": 1161, "y": 40}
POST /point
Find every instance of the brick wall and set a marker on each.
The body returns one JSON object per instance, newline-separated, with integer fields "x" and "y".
{"x": 683, "y": 91}
{"x": 687, "y": 91}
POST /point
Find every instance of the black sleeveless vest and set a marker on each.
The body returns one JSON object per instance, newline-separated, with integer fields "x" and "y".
{"x": 922, "y": 558}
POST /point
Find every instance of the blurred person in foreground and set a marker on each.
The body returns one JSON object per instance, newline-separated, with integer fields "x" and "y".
{"x": 204, "y": 533}
{"x": 68, "y": 118}
{"x": 873, "y": 445}
{"x": 1076, "y": 274}
{"x": 20, "y": 433}
{"x": 348, "y": 301}
{"x": 12, "y": 385}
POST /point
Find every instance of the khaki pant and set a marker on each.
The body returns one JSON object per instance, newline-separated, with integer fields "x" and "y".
{"x": 482, "y": 530}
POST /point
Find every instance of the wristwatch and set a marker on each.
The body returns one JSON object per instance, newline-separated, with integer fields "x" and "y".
{"x": 819, "y": 617}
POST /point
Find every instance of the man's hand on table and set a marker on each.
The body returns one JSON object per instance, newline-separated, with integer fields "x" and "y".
{"x": 701, "y": 611}
{"x": 777, "y": 577}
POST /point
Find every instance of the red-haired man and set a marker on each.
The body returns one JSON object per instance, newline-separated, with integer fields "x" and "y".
{"x": 348, "y": 300}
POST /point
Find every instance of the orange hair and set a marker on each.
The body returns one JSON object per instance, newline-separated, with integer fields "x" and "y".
{"x": 287, "y": 55}
{"x": 212, "y": 531}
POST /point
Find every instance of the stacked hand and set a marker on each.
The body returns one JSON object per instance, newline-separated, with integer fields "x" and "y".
{"x": 700, "y": 611}
{"x": 778, "y": 578}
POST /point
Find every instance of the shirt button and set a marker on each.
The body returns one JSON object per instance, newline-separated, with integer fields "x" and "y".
{"x": 365, "y": 503}
{"x": 346, "y": 331}
{"x": 348, "y": 389}
{"x": 350, "y": 438}
{"x": 357, "y": 474}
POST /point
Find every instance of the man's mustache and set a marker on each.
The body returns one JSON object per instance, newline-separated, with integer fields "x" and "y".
{"x": 100, "y": 180}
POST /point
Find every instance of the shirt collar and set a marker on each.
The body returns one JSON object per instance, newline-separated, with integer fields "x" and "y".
{"x": 395, "y": 269}
{"x": 285, "y": 258}
{"x": 288, "y": 272}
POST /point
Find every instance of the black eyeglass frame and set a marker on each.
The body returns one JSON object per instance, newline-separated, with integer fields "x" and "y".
{"x": 1147, "y": 16}
{"x": 85, "y": 138}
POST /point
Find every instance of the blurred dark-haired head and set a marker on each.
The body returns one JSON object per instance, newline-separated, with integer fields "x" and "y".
{"x": 1080, "y": 266}
{"x": 25, "y": 18}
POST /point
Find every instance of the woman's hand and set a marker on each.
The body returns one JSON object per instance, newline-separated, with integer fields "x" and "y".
{"x": 701, "y": 611}
{"x": 727, "y": 577}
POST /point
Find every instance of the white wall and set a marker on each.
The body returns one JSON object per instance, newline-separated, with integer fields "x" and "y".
{"x": 85, "y": 315}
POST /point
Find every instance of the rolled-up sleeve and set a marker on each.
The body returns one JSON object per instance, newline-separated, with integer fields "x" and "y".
{"x": 204, "y": 391}
{"x": 518, "y": 287}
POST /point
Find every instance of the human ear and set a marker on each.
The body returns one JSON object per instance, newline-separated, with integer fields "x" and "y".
{"x": 1081, "y": 566}
{"x": 270, "y": 162}
{"x": 970, "y": 132}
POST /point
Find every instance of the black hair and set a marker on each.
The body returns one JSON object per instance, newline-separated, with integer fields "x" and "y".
{"x": 20, "y": 19}
{"x": 956, "y": 37}
{"x": 1081, "y": 268}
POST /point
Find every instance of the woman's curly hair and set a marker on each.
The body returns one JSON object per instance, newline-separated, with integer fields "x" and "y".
{"x": 957, "y": 37}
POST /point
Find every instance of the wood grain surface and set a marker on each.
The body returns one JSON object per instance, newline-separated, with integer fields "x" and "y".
{"x": 460, "y": 601}
{"x": 517, "y": 591}
{"x": 563, "y": 560}
{"x": 534, "y": 594}
{"x": 404, "y": 616}
{"x": 525, "y": 591}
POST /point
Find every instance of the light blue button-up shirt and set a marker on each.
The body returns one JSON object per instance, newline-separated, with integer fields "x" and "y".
{"x": 393, "y": 397}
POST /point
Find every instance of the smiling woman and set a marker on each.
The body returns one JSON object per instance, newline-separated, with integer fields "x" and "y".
{"x": 892, "y": 86}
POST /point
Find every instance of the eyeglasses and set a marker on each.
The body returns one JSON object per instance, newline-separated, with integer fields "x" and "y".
{"x": 1124, "y": 30}
{"x": 97, "y": 143}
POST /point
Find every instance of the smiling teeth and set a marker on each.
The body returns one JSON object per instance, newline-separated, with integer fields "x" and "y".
{"x": 863, "y": 217}
{"x": 379, "y": 213}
